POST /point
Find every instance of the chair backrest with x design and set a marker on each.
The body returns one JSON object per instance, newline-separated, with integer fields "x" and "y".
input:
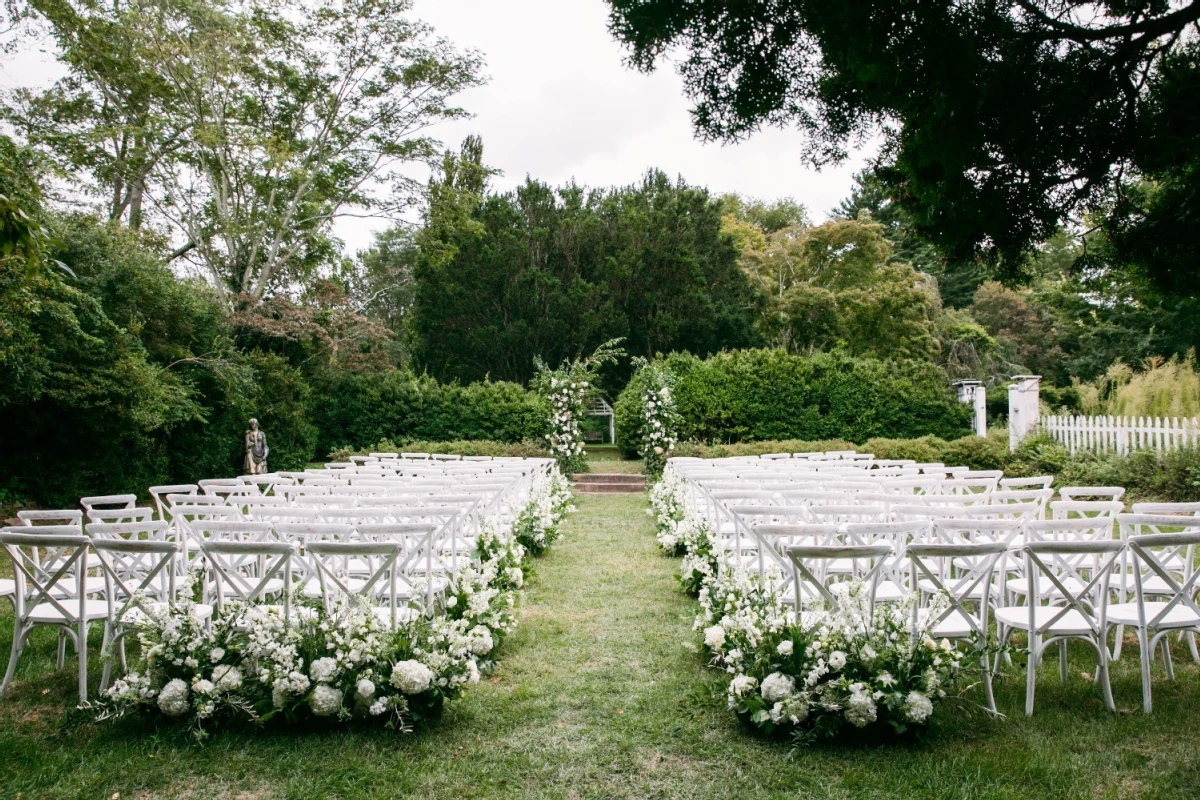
{"x": 809, "y": 565}
{"x": 1171, "y": 558}
{"x": 1067, "y": 575}
{"x": 35, "y": 518}
{"x": 963, "y": 574}
{"x": 250, "y": 570}
{"x": 49, "y": 567}
{"x": 379, "y": 581}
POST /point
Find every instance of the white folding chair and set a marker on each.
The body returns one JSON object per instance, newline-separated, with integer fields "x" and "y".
{"x": 811, "y": 581}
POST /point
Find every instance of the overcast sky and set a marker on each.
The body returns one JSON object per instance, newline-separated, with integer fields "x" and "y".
{"x": 560, "y": 104}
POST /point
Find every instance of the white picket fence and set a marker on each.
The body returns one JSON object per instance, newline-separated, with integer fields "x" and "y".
{"x": 1122, "y": 434}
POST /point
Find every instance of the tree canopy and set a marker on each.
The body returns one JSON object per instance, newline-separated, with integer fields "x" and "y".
{"x": 1001, "y": 121}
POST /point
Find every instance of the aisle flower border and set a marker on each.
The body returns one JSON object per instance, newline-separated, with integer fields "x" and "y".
{"x": 853, "y": 674}
{"x": 339, "y": 665}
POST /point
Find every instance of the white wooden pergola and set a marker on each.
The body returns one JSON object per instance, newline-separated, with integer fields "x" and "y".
{"x": 601, "y": 408}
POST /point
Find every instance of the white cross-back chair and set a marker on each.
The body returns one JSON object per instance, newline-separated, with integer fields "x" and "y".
{"x": 811, "y": 581}
{"x": 108, "y": 501}
{"x": 159, "y": 495}
{"x": 380, "y": 587}
{"x": 1067, "y": 595}
{"x": 40, "y": 517}
{"x": 246, "y": 571}
{"x": 49, "y": 570}
{"x": 962, "y": 574}
{"x": 1091, "y": 492}
{"x": 1165, "y": 589}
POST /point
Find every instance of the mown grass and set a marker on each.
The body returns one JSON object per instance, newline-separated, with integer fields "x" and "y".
{"x": 602, "y": 693}
{"x": 607, "y": 458}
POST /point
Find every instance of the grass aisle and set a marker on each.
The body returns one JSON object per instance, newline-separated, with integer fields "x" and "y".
{"x": 600, "y": 694}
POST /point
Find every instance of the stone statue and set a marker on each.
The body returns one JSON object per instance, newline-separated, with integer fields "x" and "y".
{"x": 256, "y": 450}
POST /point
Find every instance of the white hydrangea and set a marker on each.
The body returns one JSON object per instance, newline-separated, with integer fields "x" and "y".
{"x": 776, "y": 687}
{"x": 323, "y": 670}
{"x": 714, "y": 637}
{"x": 379, "y": 706}
{"x": 228, "y": 678}
{"x": 480, "y": 639}
{"x": 741, "y": 684}
{"x": 917, "y": 707}
{"x": 472, "y": 671}
{"x": 325, "y": 700}
{"x": 411, "y": 677}
{"x": 860, "y": 708}
{"x": 785, "y": 648}
{"x": 173, "y": 699}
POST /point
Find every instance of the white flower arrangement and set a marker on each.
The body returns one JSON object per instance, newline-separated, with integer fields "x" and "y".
{"x": 568, "y": 390}
{"x": 336, "y": 664}
{"x": 853, "y": 670}
{"x": 683, "y": 531}
{"x": 660, "y": 419}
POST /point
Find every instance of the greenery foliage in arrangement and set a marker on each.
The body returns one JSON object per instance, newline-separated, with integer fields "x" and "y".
{"x": 769, "y": 394}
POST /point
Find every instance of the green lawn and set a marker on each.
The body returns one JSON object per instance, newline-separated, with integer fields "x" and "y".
{"x": 601, "y": 693}
{"x": 607, "y": 458}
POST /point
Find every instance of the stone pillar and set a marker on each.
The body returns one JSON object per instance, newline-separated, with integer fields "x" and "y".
{"x": 973, "y": 392}
{"x": 1023, "y": 408}
{"x": 980, "y": 398}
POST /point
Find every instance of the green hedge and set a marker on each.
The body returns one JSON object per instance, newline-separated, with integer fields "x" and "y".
{"x": 357, "y": 410}
{"x": 530, "y": 448}
{"x": 757, "y": 395}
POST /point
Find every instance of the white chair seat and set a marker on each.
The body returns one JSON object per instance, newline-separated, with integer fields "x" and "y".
{"x": 954, "y": 626}
{"x": 1178, "y": 617}
{"x": 47, "y": 613}
{"x": 1045, "y": 587}
{"x": 7, "y": 587}
{"x": 890, "y": 592}
{"x": 1070, "y": 624}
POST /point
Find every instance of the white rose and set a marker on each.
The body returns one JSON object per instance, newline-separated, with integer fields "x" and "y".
{"x": 837, "y": 660}
{"x": 785, "y": 648}
{"x": 365, "y": 689}
{"x": 217, "y": 654}
{"x": 203, "y": 687}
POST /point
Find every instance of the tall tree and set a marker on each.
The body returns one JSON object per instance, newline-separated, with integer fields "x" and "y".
{"x": 555, "y": 272}
{"x": 259, "y": 123}
{"x": 1001, "y": 121}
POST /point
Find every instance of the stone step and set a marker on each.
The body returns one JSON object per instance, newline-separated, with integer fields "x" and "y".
{"x": 609, "y": 488}
{"x": 609, "y": 477}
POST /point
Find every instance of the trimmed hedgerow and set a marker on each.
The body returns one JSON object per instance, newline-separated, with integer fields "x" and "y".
{"x": 754, "y": 395}
{"x": 357, "y": 410}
